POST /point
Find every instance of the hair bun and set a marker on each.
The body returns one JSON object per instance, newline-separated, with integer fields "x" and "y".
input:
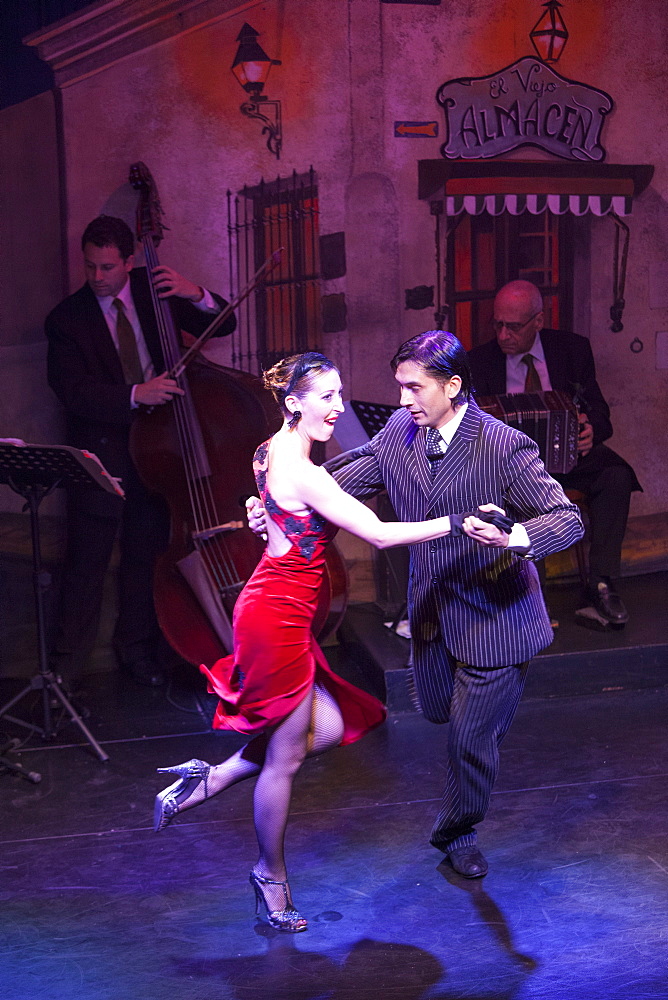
{"x": 295, "y": 374}
{"x": 278, "y": 376}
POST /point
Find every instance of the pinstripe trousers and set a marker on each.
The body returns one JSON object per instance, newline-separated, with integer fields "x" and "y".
{"x": 467, "y": 604}
{"x": 482, "y": 708}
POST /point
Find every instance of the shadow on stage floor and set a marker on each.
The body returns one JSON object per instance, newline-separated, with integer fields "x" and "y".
{"x": 95, "y": 906}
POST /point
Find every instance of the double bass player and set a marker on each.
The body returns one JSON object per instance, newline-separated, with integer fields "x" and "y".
{"x": 104, "y": 362}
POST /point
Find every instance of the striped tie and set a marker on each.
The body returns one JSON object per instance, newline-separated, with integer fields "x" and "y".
{"x": 532, "y": 382}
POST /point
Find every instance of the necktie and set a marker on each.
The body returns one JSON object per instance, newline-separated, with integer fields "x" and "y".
{"x": 434, "y": 443}
{"x": 434, "y": 448}
{"x": 532, "y": 382}
{"x": 127, "y": 347}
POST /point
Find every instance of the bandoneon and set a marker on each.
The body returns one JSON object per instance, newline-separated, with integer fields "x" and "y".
{"x": 548, "y": 418}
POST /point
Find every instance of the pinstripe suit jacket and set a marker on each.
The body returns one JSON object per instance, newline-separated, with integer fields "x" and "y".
{"x": 484, "y": 606}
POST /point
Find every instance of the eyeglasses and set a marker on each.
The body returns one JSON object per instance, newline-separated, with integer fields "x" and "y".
{"x": 498, "y": 324}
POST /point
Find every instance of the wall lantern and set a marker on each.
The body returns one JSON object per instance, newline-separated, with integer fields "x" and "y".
{"x": 251, "y": 67}
{"x": 549, "y": 34}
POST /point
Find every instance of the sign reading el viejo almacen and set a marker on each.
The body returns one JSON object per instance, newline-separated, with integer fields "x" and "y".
{"x": 526, "y": 104}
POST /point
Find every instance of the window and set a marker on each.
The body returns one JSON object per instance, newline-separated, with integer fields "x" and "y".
{"x": 486, "y": 251}
{"x": 282, "y": 315}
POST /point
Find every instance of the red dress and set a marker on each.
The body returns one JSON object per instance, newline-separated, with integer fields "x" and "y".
{"x": 276, "y": 658}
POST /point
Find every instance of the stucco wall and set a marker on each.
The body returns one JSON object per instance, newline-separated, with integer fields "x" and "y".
{"x": 349, "y": 70}
{"x": 617, "y": 48}
{"x": 30, "y": 276}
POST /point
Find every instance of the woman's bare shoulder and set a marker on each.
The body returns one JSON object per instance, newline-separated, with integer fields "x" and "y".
{"x": 289, "y": 481}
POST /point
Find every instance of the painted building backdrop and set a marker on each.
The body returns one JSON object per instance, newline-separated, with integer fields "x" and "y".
{"x": 151, "y": 80}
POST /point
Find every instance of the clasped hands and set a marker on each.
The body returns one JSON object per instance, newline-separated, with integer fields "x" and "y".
{"x": 488, "y": 525}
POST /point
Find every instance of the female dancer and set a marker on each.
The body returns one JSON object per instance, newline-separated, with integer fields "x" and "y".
{"x": 277, "y": 682}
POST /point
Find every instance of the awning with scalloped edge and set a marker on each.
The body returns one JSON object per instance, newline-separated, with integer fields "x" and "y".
{"x": 536, "y": 204}
{"x": 533, "y": 186}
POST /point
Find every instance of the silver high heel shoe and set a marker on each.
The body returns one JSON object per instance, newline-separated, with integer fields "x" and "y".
{"x": 168, "y": 803}
{"x": 287, "y": 919}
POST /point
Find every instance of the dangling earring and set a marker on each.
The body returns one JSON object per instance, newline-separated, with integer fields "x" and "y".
{"x": 296, "y": 417}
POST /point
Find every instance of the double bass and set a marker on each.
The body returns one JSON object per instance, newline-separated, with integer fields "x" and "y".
{"x": 197, "y": 451}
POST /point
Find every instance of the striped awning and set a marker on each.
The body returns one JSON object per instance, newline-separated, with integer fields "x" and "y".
{"x": 535, "y": 204}
{"x": 532, "y": 186}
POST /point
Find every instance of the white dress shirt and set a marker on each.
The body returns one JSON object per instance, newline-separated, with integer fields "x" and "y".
{"x": 516, "y": 370}
{"x": 518, "y": 540}
{"x": 110, "y": 313}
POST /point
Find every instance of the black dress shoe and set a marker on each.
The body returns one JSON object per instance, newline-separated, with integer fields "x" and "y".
{"x": 468, "y": 861}
{"x": 144, "y": 671}
{"x": 607, "y": 602}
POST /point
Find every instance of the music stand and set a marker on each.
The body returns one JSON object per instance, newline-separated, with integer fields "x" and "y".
{"x": 33, "y": 471}
{"x": 372, "y": 416}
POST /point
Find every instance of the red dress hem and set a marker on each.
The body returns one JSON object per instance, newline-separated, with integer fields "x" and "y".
{"x": 276, "y": 658}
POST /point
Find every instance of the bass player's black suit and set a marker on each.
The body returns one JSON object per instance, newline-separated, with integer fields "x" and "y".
{"x": 84, "y": 371}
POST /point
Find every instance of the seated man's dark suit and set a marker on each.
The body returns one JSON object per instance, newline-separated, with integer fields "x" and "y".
{"x": 84, "y": 371}
{"x": 477, "y": 614}
{"x": 606, "y": 480}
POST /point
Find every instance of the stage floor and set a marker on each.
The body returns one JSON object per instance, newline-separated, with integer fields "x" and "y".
{"x": 95, "y": 906}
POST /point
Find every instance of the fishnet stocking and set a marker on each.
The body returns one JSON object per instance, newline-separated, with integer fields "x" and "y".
{"x": 313, "y": 727}
{"x": 325, "y": 730}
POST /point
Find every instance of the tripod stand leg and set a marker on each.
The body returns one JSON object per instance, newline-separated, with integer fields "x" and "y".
{"x": 13, "y": 766}
{"x": 45, "y": 680}
{"x": 54, "y": 686}
{"x": 5, "y": 710}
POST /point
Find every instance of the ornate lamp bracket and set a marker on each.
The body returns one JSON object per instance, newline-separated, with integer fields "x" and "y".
{"x": 271, "y": 126}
